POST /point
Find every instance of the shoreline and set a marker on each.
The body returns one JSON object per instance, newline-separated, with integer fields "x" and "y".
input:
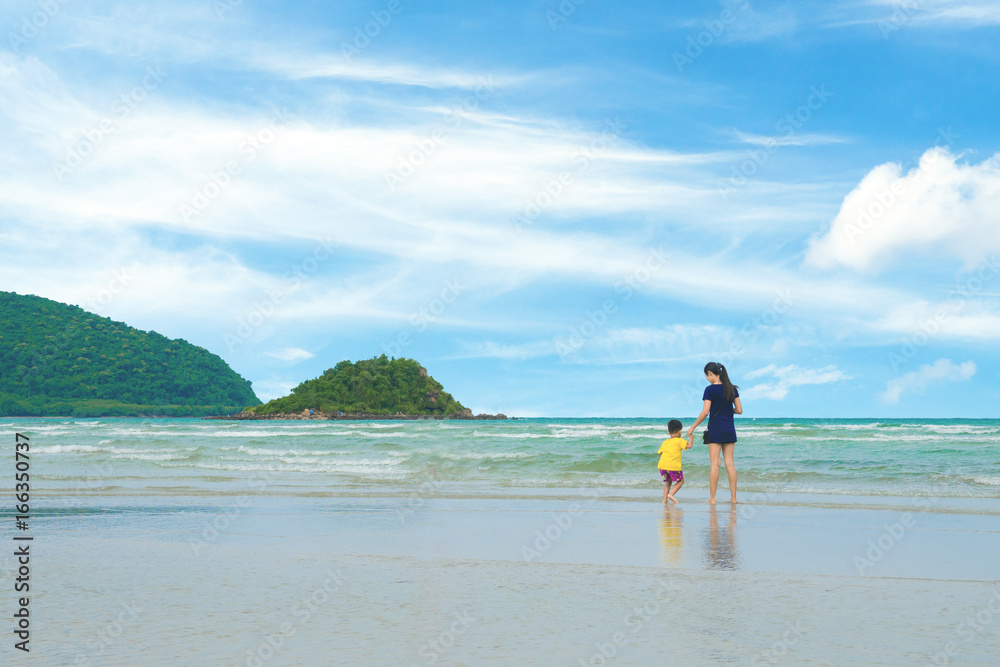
{"x": 638, "y": 501}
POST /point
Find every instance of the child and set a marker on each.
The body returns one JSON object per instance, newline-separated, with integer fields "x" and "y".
{"x": 670, "y": 453}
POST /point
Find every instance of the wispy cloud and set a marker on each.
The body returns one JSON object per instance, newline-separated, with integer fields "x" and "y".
{"x": 942, "y": 370}
{"x": 292, "y": 354}
{"x": 322, "y": 66}
{"x": 790, "y": 139}
{"x": 457, "y": 207}
{"x": 969, "y": 313}
{"x": 760, "y": 25}
{"x": 980, "y": 12}
{"x": 739, "y": 22}
{"x": 786, "y": 377}
{"x": 520, "y": 352}
{"x": 888, "y": 16}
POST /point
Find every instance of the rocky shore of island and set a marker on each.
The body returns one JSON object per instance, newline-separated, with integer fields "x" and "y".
{"x": 362, "y": 416}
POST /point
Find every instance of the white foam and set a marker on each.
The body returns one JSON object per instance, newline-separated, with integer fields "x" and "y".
{"x": 67, "y": 449}
{"x": 380, "y": 469}
{"x": 143, "y": 432}
{"x": 104, "y": 449}
{"x": 254, "y": 433}
{"x": 264, "y": 451}
{"x": 149, "y": 457}
{"x": 492, "y": 456}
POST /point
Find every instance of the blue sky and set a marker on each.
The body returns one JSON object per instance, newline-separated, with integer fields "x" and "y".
{"x": 559, "y": 209}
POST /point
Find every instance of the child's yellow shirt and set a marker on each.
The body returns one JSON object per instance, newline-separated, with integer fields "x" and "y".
{"x": 670, "y": 453}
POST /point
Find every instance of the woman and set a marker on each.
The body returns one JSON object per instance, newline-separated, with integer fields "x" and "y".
{"x": 722, "y": 401}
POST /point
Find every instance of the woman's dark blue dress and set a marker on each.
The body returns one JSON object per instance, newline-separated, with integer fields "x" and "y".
{"x": 721, "y": 428}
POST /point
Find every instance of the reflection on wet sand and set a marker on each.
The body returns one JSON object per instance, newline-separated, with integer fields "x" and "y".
{"x": 671, "y": 536}
{"x": 721, "y": 552}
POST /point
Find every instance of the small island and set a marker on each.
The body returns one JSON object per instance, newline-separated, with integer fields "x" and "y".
{"x": 379, "y": 388}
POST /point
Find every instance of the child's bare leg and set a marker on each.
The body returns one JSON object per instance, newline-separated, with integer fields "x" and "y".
{"x": 677, "y": 487}
{"x": 714, "y": 455}
{"x": 727, "y": 452}
{"x": 666, "y": 490}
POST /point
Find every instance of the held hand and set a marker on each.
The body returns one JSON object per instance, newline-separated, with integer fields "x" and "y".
{"x": 690, "y": 431}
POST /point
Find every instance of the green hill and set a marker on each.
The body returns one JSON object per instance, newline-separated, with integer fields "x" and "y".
{"x": 379, "y": 386}
{"x": 57, "y": 359}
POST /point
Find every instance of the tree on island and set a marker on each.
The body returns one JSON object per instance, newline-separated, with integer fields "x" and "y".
{"x": 379, "y": 386}
{"x": 60, "y": 360}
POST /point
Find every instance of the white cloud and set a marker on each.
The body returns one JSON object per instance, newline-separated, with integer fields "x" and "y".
{"x": 941, "y": 370}
{"x": 755, "y": 25}
{"x": 786, "y": 377}
{"x": 644, "y": 345}
{"x": 311, "y": 66}
{"x": 455, "y": 210}
{"x": 966, "y": 314}
{"x": 517, "y": 352}
{"x": 677, "y": 344}
{"x": 940, "y": 207}
{"x": 292, "y": 354}
{"x": 222, "y": 33}
{"x": 789, "y": 140}
{"x": 889, "y": 16}
{"x": 323, "y": 177}
{"x": 975, "y": 12}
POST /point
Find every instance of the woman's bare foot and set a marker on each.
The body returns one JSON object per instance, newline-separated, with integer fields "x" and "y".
{"x": 732, "y": 500}
{"x": 711, "y": 501}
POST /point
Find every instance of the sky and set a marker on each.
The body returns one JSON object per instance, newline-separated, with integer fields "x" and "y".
{"x": 558, "y": 208}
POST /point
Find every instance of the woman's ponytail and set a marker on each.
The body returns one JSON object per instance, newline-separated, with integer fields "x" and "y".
{"x": 728, "y": 388}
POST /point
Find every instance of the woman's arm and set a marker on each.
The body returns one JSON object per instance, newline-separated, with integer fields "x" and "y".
{"x": 704, "y": 413}
{"x": 737, "y": 406}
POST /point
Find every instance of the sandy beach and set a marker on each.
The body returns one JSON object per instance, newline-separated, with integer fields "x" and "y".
{"x": 353, "y": 580}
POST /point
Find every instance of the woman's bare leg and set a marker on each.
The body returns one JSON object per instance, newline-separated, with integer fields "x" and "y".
{"x": 727, "y": 452}
{"x": 714, "y": 456}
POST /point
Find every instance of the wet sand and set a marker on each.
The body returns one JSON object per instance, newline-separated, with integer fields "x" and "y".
{"x": 385, "y": 580}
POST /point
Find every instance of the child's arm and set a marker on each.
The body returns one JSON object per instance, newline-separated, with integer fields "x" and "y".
{"x": 690, "y": 441}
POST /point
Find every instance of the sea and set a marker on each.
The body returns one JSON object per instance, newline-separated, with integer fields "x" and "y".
{"x": 942, "y": 458}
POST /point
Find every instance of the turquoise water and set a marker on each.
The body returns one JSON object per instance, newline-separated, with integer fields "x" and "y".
{"x": 192, "y": 542}
{"x": 912, "y": 458}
